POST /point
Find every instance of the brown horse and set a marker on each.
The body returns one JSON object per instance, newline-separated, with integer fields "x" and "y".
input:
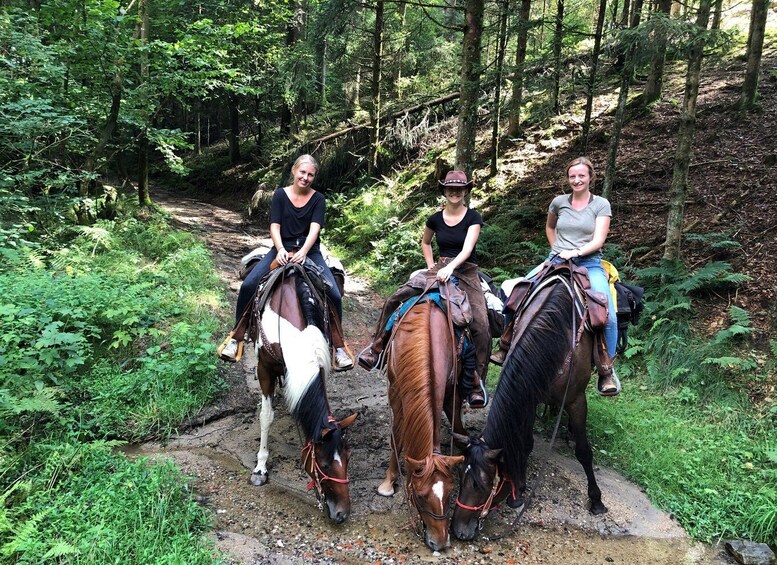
{"x": 537, "y": 370}
{"x": 290, "y": 343}
{"x": 420, "y": 365}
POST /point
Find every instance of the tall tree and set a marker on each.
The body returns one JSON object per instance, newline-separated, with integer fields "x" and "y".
{"x": 627, "y": 74}
{"x": 685, "y": 135}
{"x": 470, "y": 85}
{"x": 500, "y": 61}
{"x": 375, "y": 109}
{"x": 144, "y": 196}
{"x": 589, "y": 102}
{"x": 558, "y": 37}
{"x": 755, "y": 44}
{"x": 290, "y": 100}
{"x": 516, "y": 100}
{"x": 655, "y": 79}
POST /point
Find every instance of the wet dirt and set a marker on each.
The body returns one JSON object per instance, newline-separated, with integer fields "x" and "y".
{"x": 281, "y": 522}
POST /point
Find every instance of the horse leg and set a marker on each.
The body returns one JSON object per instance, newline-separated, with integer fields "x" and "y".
{"x": 387, "y": 487}
{"x": 578, "y": 414}
{"x": 260, "y": 475}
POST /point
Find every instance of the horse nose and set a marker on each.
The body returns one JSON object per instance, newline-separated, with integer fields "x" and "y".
{"x": 340, "y": 517}
{"x": 464, "y": 532}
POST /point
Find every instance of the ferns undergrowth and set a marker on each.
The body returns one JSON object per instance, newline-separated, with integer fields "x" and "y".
{"x": 105, "y": 332}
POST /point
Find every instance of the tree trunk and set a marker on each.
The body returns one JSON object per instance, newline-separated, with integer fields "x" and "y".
{"x": 717, "y": 14}
{"x": 520, "y": 57}
{"x": 755, "y": 50}
{"x": 324, "y": 71}
{"x": 198, "y": 132}
{"x": 293, "y": 34}
{"x": 655, "y": 80}
{"x": 377, "y": 56}
{"x": 500, "y": 62}
{"x": 144, "y": 197}
{"x": 557, "y": 39}
{"x": 589, "y": 103}
{"x": 685, "y": 135}
{"x": 620, "y": 112}
{"x": 234, "y": 129}
{"x": 397, "y": 76}
{"x": 470, "y": 85}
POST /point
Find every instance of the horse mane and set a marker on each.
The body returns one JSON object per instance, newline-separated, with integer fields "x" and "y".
{"x": 413, "y": 382}
{"x": 526, "y": 377}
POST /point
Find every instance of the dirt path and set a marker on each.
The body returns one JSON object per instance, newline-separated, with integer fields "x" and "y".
{"x": 280, "y": 523}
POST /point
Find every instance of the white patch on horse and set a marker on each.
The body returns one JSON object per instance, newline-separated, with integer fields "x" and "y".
{"x": 338, "y": 458}
{"x": 304, "y": 353}
{"x": 438, "y": 489}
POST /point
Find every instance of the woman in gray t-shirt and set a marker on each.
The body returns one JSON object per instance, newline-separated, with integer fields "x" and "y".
{"x": 576, "y": 229}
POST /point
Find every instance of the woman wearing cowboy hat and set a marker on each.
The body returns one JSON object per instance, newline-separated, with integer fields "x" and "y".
{"x": 456, "y": 229}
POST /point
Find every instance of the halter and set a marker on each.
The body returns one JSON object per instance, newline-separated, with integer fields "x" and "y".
{"x": 413, "y": 498}
{"x": 319, "y": 476}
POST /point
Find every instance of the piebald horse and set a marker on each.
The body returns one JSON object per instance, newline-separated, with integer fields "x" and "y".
{"x": 537, "y": 370}
{"x": 420, "y": 365}
{"x": 292, "y": 352}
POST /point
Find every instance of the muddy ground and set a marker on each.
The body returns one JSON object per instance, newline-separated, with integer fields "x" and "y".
{"x": 280, "y": 522}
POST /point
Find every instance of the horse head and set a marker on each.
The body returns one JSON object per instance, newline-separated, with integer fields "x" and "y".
{"x": 429, "y": 486}
{"x": 326, "y": 462}
{"x": 481, "y": 487}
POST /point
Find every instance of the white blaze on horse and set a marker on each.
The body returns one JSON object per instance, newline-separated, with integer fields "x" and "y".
{"x": 293, "y": 354}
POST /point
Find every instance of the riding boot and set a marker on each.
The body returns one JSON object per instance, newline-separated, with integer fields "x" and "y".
{"x": 500, "y": 353}
{"x": 368, "y": 358}
{"x": 471, "y": 386}
{"x": 608, "y": 383}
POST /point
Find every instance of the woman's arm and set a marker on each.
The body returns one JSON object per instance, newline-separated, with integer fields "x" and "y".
{"x": 601, "y": 230}
{"x": 550, "y": 228}
{"x": 426, "y": 247}
{"x": 473, "y": 232}
{"x": 275, "y": 235}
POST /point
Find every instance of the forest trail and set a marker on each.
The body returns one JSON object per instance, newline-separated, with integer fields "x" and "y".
{"x": 280, "y": 522}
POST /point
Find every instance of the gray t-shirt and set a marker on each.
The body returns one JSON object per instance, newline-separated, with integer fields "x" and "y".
{"x": 575, "y": 228}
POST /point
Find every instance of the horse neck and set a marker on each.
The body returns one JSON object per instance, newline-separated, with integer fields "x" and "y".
{"x": 415, "y": 378}
{"x": 527, "y": 376}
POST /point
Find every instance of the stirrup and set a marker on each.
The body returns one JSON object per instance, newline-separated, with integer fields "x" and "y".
{"x": 224, "y": 343}
{"x": 615, "y": 380}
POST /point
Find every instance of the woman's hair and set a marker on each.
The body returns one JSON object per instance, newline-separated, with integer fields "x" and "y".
{"x": 304, "y": 159}
{"x": 582, "y": 161}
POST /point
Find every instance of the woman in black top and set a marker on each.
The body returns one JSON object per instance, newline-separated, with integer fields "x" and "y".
{"x": 296, "y": 217}
{"x": 456, "y": 229}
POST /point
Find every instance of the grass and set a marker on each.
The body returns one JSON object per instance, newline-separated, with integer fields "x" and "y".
{"x": 105, "y": 332}
{"x": 713, "y": 467}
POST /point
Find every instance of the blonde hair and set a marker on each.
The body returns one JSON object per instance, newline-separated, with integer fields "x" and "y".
{"x": 582, "y": 161}
{"x": 305, "y": 159}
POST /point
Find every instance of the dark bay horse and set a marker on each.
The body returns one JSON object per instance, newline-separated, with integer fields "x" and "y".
{"x": 420, "y": 364}
{"x": 535, "y": 371}
{"x": 292, "y": 352}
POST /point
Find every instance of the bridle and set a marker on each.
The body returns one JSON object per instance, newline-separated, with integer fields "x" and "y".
{"x": 412, "y": 497}
{"x": 317, "y": 474}
{"x": 486, "y": 507}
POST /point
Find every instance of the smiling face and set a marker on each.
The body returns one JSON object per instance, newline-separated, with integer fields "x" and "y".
{"x": 455, "y": 194}
{"x": 579, "y": 178}
{"x": 304, "y": 174}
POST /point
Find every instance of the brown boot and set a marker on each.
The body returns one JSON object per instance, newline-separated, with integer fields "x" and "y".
{"x": 367, "y": 358}
{"x": 498, "y": 356}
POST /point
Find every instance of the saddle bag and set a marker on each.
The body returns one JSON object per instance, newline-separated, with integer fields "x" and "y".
{"x": 461, "y": 312}
{"x": 596, "y": 302}
{"x": 629, "y": 310}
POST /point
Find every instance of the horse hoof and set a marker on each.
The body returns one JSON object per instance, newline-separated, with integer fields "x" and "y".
{"x": 386, "y": 491}
{"x": 514, "y": 503}
{"x": 597, "y": 509}
{"x": 258, "y": 479}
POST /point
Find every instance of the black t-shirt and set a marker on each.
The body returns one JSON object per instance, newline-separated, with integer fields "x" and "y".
{"x": 295, "y": 222}
{"x": 450, "y": 239}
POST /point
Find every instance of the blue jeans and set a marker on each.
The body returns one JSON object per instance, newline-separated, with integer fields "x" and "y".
{"x": 601, "y": 283}
{"x": 251, "y": 282}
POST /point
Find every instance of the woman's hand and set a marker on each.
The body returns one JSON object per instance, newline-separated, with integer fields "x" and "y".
{"x": 569, "y": 253}
{"x": 298, "y": 257}
{"x": 445, "y": 273}
{"x": 282, "y": 257}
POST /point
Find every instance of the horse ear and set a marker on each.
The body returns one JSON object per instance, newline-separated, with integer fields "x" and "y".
{"x": 415, "y": 466}
{"x": 494, "y": 454}
{"x": 452, "y": 461}
{"x": 345, "y": 422}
